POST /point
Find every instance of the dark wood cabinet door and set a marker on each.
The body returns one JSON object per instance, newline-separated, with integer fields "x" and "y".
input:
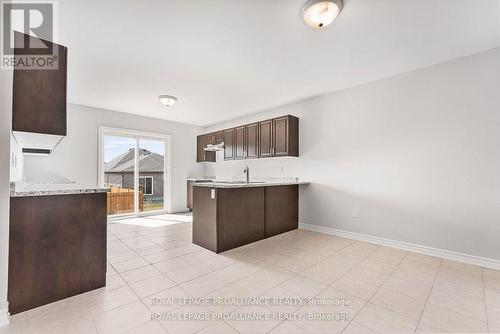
{"x": 239, "y": 139}
{"x": 39, "y": 96}
{"x": 265, "y": 138}
{"x": 252, "y": 140}
{"x": 211, "y": 138}
{"x": 229, "y": 144}
{"x": 280, "y": 137}
{"x": 219, "y": 136}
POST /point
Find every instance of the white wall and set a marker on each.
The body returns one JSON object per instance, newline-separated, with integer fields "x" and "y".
{"x": 418, "y": 154}
{"x": 76, "y": 157}
{"x": 5, "y": 126}
{"x": 16, "y": 160}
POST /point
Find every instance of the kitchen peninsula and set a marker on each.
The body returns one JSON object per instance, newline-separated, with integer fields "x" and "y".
{"x": 231, "y": 214}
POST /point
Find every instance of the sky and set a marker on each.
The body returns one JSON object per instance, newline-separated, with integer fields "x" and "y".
{"x": 115, "y": 145}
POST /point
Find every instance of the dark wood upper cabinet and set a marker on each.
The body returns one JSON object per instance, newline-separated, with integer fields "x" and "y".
{"x": 252, "y": 140}
{"x": 229, "y": 144}
{"x": 280, "y": 137}
{"x": 201, "y": 142}
{"x": 277, "y": 137}
{"x": 211, "y": 139}
{"x": 219, "y": 136}
{"x": 266, "y": 138}
{"x": 39, "y": 95}
{"x": 239, "y": 145}
{"x": 285, "y": 136}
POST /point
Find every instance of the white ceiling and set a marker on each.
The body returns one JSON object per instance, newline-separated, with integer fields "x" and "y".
{"x": 228, "y": 58}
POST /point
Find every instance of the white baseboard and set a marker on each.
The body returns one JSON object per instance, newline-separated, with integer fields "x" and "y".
{"x": 440, "y": 253}
{"x": 4, "y": 318}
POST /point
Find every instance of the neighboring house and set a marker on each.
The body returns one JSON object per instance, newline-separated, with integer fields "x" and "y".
{"x": 119, "y": 172}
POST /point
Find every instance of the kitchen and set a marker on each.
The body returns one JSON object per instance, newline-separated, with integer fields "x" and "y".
{"x": 313, "y": 161}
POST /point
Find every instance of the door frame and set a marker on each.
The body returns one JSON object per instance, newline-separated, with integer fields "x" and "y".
{"x": 167, "y": 176}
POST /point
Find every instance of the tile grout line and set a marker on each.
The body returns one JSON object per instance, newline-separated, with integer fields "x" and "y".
{"x": 327, "y": 286}
{"x": 373, "y": 295}
{"x": 485, "y": 302}
{"x": 429, "y": 296}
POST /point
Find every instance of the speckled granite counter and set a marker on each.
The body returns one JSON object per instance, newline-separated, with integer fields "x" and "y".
{"x": 50, "y": 189}
{"x": 243, "y": 184}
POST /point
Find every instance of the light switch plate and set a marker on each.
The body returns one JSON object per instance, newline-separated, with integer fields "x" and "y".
{"x": 212, "y": 193}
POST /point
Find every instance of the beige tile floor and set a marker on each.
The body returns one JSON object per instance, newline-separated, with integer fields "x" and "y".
{"x": 376, "y": 289}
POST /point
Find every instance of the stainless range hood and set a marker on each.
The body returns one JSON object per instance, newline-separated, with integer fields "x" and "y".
{"x": 218, "y": 146}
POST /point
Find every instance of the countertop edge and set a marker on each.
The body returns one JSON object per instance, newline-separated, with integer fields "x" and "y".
{"x": 34, "y": 193}
{"x": 249, "y": 185}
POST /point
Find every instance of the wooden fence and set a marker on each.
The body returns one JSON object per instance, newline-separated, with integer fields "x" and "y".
{"x": 121, "y": 200}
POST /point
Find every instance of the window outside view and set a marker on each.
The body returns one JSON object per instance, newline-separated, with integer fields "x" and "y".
{"x": 119, "y": 174}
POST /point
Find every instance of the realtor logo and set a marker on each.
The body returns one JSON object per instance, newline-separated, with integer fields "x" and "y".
{"x": 27, "y": 26}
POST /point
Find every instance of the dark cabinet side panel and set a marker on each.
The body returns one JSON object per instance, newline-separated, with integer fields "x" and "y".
{"x": 293, "y": 136}
{"x": 189, "y": 200}
{"x": 57, "y": 248}
{"x": 282, "y": 209}
{"x": 39, "y": 97}
{"x": 204, "y": 219}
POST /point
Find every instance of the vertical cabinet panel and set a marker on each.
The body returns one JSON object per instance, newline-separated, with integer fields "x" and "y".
{"x": 252, "y": 140}
{"x": 280, "y": 136}
{"x": 200, "y": 140}
{"x": 239, "y": 134}
{"x": 39, "y": 95}
{"x": 229, "y": 144}
{"x": 265, "y": 141}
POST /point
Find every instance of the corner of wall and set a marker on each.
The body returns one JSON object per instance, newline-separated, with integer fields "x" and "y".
{"x": 4, "y": 318}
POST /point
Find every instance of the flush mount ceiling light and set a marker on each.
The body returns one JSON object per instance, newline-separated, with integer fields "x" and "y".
{"x": 167, "y": 100}
{"x": 320, "y": 13}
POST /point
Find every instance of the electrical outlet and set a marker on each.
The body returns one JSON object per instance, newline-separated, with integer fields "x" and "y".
{"x": 212, "y": 193}
{"x": 355, "y": 213}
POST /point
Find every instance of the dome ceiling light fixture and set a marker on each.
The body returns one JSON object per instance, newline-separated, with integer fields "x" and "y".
{"x": 167, "y": 100}
{"x": 320, "y": 13}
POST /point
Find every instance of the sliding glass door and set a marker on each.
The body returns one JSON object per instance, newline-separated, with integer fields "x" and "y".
{"x": 134, "y": 168}
{"x": 151, "y": 175}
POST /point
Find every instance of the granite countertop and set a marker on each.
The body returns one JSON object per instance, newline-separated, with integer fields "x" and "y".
{"x": 244, "y": 184}
{"x": 21, "y": 189}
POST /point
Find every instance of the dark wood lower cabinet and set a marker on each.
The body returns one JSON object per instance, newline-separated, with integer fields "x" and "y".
{"x": 57, "y": 248}
{"x": 226, "y": 218}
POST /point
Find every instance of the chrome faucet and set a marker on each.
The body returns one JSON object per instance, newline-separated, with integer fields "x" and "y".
{"x": 247, "y": 172}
